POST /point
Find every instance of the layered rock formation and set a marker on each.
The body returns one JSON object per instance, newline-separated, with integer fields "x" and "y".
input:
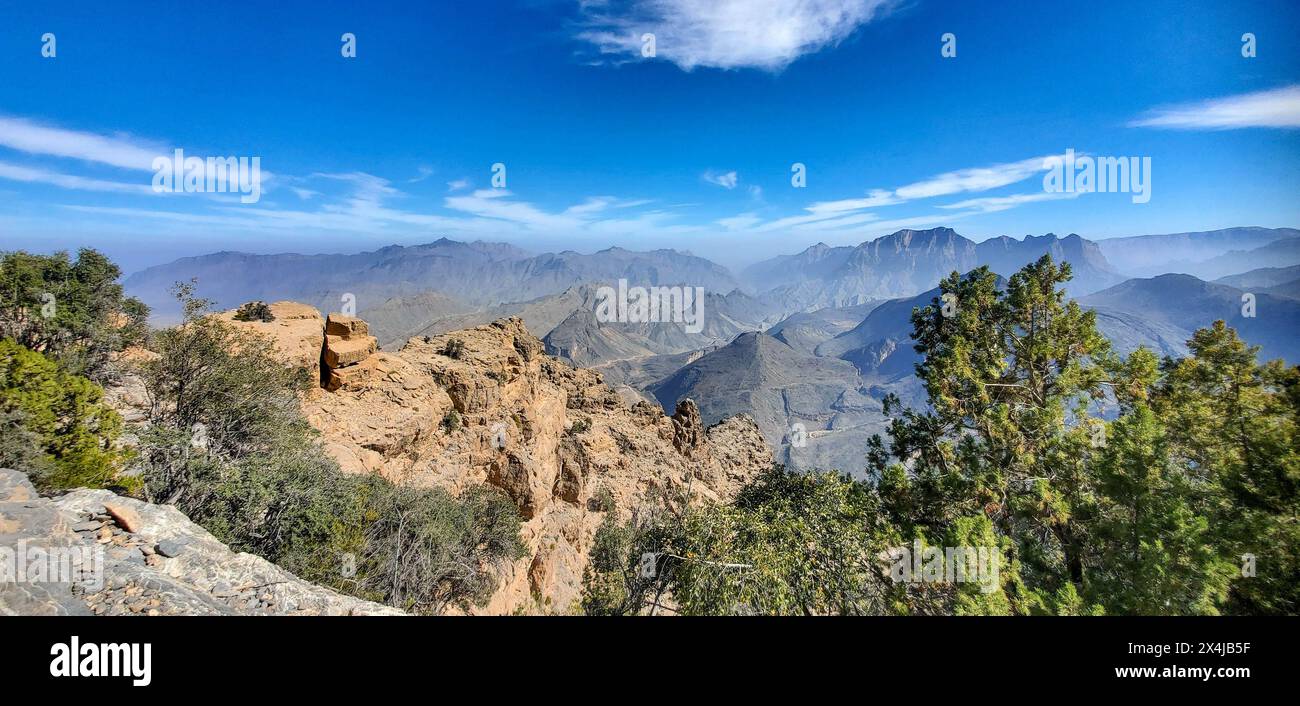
{"x": 134, "y": 558}
{"x": 348, "y": 344}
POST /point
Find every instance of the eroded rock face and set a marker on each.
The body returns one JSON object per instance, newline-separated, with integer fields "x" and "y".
{"x": 143, "y": 559}
{"x": 494, "y": 409}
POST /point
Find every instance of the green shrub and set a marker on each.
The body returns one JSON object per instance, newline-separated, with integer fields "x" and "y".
{"x": 451, "y": 421}
{"x": 255, "y": 311}
{"x": 454, "y": 348}
{"x": 55, "y": 425}
{"x": 427, "y": 550}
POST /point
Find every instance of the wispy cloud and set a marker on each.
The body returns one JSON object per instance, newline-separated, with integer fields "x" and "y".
{"x": 854, "y": 212}
{"x": 14, "y": 172}
{"x": 727, "y": 180}
{"x": 875, "y": 199}
{"x": 991, "y": 204}
{"x": 725, "y": 34}
{"x": 975, "y": 179}
{"x": 117, "y": 151}
{"x": 457, "y": 184}
{"x": 600, "y": 204}
{"x": 1278, "y": 108}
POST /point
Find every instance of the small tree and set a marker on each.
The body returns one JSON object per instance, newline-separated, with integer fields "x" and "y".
{"x": 73, "y": 311}
{"x": 56, "y": 425}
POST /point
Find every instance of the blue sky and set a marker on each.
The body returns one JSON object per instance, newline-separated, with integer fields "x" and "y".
{"x": 689, "y": 149}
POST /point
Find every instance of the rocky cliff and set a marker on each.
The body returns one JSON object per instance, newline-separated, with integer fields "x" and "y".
{"x": 486, "y": 405}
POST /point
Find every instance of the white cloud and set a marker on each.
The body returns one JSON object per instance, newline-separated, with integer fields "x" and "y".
{"x": 1278, "y": 108}
{"x": 991, "y": 204}
{"x": 727, "y": 180}
{"x": 598, "y": 204}
{"x": 876, "y": 199}
{"x": 26, "y": 136}
{"x": 14, "y": 172}
{"x": 457, "y": 184}
{"x": 726, "y": 34}
{"x": 744, "y": 221}
{"x": 845, "y": 213}
{"x": 975, "y": 179}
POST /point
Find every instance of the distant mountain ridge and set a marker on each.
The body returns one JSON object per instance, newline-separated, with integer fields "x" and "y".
{"x": 1147, "y": 255}
{"x": 479, "y": 274}
{"x": 911, "y": 261}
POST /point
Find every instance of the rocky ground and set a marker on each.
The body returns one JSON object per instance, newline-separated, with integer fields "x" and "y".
{"x": 149, "y": 560}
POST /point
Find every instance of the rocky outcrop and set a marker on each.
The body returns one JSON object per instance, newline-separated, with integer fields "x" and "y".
{"x": 295, "y": 331}
{"x": 348, "y": 345}
{"x": 486, "y": 405}
{"x": 126, "y": 557}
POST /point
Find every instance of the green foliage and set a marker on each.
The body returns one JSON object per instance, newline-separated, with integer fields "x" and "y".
{"x": 603, "y": 501}
{"x": 1002, "y": 376}
{"x": 72, "y": 311}
{"x": 1145, "y": 514}
{"x": 224, "y": 385}
{"x": 790, "y": 544}
{"x": 54, "y": 424}
{"x": 254, "y": 311}
{"x": 1235, "y": 425}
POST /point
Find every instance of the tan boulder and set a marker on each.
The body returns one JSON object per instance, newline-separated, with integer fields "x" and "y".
{"x": 346, "y": 326}
{"x": 125, "y": 517}
{"x": 352, "y": 377}
{"x": 341, "y": 352}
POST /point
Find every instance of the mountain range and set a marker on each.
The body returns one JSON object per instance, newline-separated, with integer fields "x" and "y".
{"x": 809, "y": 342}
